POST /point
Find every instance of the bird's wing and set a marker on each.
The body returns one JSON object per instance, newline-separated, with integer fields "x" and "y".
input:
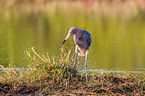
{"x": 87, "y": 36}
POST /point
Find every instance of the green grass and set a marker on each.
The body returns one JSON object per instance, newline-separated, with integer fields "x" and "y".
{"x": 50, "y": 76}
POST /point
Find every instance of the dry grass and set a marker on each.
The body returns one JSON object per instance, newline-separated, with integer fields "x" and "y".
{"x": 50, "y": 76}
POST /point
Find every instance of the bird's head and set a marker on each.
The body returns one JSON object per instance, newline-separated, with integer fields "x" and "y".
{"x": 72, "y": 31}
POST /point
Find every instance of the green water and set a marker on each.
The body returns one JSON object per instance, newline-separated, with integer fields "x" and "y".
{"x": 118, "y": 35}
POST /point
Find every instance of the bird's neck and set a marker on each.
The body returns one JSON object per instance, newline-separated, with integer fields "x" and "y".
{"x": 79, "y": 33}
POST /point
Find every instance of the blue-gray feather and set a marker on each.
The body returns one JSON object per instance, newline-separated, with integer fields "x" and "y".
{"x": 87, "y": 36}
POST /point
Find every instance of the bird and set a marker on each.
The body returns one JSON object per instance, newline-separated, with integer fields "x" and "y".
{"x": 82, "y": 40}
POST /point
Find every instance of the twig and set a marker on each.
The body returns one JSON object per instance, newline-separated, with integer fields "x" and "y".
{"x": 37, "y": 54}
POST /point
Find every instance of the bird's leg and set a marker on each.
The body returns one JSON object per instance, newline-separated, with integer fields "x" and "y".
{"x": 76, "y": 49}
{"x": 74, "y": 64}
{"x": 86, "y": 68}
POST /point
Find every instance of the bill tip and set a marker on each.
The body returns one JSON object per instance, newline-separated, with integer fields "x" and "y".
{"x": 63, "y": 42}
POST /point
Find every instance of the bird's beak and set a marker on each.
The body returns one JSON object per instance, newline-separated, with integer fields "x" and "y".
{"x": 66, "y": 38}
{"x": 63, "y": 42}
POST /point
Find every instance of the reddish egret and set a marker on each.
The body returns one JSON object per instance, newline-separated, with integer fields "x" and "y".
{"x": 82, "y": 39}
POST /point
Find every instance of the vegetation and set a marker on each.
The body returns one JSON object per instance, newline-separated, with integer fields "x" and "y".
{"x": 116, "y": 26}
{"x": 50, "y": 76}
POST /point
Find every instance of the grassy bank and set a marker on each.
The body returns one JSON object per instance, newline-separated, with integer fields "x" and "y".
{"x": 46, "y": 75}
{"x": 116, "y": 26}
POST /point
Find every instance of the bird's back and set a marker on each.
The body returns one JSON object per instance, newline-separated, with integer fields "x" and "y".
{"x": 87, "y": 37}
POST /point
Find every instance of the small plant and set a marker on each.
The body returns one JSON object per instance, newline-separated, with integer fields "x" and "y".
{"x": 43, "y": 71}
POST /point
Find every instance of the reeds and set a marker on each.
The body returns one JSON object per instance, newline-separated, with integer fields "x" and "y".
{"x": 49, "y": 76}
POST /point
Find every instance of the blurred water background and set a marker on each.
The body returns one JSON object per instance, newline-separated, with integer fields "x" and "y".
{"x": 117, "y": 28}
